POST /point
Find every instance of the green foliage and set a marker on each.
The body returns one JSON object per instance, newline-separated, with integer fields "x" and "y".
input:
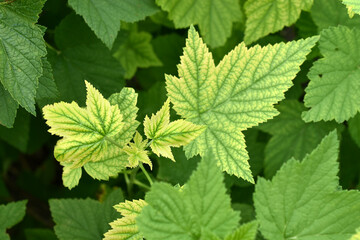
{"x": 183, "y": 213}
{"x": 334, "y": 89}
{"x": 84, "y": 218}
{"x": 354, "y": 128}
{"x": 21, "y": 51}
{"x": 326, "y": 13}
{"x": 107, "y": 100}
{"x": 82, "y": 56}
{"x": 269, "y": 16}
{"x": 292, "y": 137}
{"x": 215, "y": 18}
{"x": 215, "y": 96}
{"x": 104, "y": 17}
{"x": 10, "y": 215}
{"x": 303, "y": 200}
{"x": 136, "y": 51}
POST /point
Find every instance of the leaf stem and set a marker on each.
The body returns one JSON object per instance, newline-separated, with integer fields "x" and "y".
{"x": 140, "y": 184}
{"x": 128, "y": 183}
{"x": 140, "y": 165}
{"x": 146, "y": 174}
{"x": 52, "y": 48}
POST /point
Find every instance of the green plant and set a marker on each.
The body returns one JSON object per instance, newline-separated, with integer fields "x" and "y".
{"x": 249, "y": 136}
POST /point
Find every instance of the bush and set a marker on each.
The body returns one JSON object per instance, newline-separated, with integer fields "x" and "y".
{"x": 180, "y": 120}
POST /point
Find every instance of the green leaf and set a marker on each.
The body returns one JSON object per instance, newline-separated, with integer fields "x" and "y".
{"x": 125, "y": 228}
{"x": 304, "y": 201}
{"x": 292, "y": 137}
{"x": 21, "y": 50}
{"x": 246, "y": 231}
{"x": 136, "y": 51}
{"x": 235, "y": 95}
{"x": 166, "y": 134}
{"x": 326, "y": 13}
{"x": 176, "y": 172}
{"x": 353, "y": 6}
{"x": 84, "y": 219}
{"x": 269, "y": 16}
{"x": 175, "y": 213}
{"x": 349, "y": 169}
{"x": 39, "y": 234}
{"x": 83, "y": 57}
{"x": 86, "y": 62}
{"x": 47, "y": 91}
{"x": 354, "y": 128}
{"x": 167, "y": 48}
{"x": 104, "y": 16}
{"x": 18, "y": 136}
{"x": 334, "y": 88}
{"x": 8, "y": 108}
{"x": 92, "y": 134}
{"x": 10, "y": 215}
{"x": 215, "y": 18}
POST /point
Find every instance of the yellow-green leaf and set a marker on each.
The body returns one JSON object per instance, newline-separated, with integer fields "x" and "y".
{"x": 125, "y": 228}
{"x": 237, "y": 94}
{"x": 136, "y": 152}
{"x": 158, "y": 121}
{"x": 94, "y": 136}
{"x": 166, "y": 134}
{"x": 84, "y": 130}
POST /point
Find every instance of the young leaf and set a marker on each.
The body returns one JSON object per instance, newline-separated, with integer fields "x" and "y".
{"x": 235, "y": 95}
{"x": 136, "y": 51}
{"x": 165, "y": 134}
{"x": 136, "y": 152}
{"x": 292, "y": 137}
{"x": 19, "y": 73}
{"x": 84, "y": 218}
{"x": 215, "y": 18}
{"x": 174, "y": 213}
{"x": 269, "y": 16}
{"x": 125, "y": 228}
{"x": 10, "y": 215}
{"x": 93, "y": 134}
{"x": 334, "y": 88}
{"x": 303, "y": 200}
{"x": 104, "y": 17}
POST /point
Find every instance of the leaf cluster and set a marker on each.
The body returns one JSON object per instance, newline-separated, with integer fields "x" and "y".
{"x": 179, "y": 120}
